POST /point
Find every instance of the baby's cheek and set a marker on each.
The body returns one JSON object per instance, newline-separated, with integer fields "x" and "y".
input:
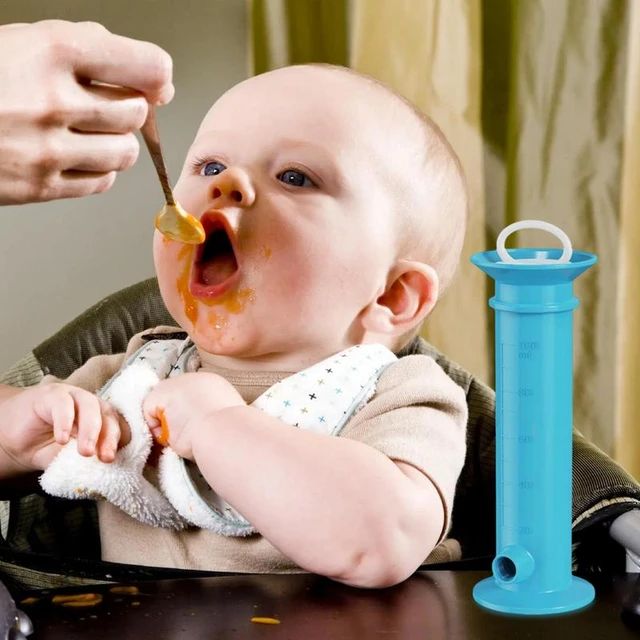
{"x": 163, "y": 248}
{"x": 166, "y": 271}
{"x": 172, "y": 272}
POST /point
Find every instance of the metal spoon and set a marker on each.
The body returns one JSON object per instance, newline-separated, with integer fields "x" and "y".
{"x": 173, "y": 221}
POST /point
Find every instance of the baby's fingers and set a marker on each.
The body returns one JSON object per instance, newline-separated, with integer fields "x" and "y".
{"x": 150, "y": 408}
{"x": 88, "y": 420}
{"x": 109, "y": 438}
{"x": 63, "y": 413}
{"x": 114, "y": 432}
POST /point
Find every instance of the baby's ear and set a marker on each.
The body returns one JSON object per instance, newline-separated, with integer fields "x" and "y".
{"x": 410, "y": 295}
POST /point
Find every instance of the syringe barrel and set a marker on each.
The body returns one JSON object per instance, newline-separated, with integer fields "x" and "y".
{"x": 534, "y": 374}
{"x": 534, "y": 306}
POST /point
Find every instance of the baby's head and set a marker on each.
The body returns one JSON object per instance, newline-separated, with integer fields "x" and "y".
{"x": 334, "y": 212}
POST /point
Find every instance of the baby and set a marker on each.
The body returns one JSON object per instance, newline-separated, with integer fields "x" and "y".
{"x": 335, "y": 216}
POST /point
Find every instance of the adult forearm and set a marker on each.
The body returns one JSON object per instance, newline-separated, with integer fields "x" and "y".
{"x": 333, "y": 505}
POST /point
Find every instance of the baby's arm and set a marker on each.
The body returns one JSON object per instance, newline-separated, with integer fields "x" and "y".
{"x": 9, "y": 468}
{"x": 340, "y": 507}
{"x": 335, "y": 506}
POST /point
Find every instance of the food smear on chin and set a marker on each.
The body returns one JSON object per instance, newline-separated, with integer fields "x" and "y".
{"x": 233, "y": 301}
{"x": 236, "y": 301}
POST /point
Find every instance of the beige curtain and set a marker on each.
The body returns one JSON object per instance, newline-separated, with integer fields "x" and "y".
{"x": 627, "y": 449}
{"x": 408, "y": 45}
{"x": 540, "y": 99}
{"x": 287, "y": 32}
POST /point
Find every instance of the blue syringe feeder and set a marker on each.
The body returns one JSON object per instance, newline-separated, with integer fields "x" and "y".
{"x": 533, "y": 305}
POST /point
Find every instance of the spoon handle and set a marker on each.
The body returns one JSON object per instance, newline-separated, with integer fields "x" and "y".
{"x": 151, "y": 138}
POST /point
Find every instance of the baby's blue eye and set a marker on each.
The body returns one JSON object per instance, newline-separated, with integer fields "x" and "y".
{"x": 212, "y": 169}
{"x": 295, "y": 178}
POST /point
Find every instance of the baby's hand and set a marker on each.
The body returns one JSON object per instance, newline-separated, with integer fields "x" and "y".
{"x": 36, "y": 422}
{"x": 175, "y": 408}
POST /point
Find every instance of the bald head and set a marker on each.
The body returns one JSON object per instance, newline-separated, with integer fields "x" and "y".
{"x": 429, "y": 186}
{"x": 409, "y": 157}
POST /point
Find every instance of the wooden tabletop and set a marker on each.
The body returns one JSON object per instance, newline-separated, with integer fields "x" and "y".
{"x": 431, "y": 605}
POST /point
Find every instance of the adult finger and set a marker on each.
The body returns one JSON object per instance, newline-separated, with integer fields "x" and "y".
{"x": 75, "y": 184}
{"x": 88, "y": 420}
{"x": 93, "y": 152}
{"x": 107, "y": 109}
{"x": 117, "y": 60}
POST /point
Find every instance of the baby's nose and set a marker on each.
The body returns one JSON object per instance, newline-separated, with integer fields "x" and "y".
{"x": 234, "y": 187}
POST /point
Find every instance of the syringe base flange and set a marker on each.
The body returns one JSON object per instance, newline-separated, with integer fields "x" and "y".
{"x": 490, "y": 595}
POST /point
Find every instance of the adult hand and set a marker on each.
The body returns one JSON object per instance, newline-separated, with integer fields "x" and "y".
{"x": 71, "y": 96}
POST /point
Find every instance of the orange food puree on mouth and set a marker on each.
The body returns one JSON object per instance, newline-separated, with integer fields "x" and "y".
{"x": 236, "y": 301}
{"x": 232, "y": 301}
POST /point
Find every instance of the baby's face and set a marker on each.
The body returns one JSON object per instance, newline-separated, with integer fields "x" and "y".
{"x": 287, "y": 175}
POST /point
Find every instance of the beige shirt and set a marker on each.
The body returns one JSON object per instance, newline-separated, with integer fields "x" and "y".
{"x": 418, "y": 415}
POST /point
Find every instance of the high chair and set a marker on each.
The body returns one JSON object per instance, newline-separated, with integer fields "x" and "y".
{"x": 41, "y": 547}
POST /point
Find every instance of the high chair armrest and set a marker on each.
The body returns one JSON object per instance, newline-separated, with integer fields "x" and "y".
{"x": 625, "y": 530}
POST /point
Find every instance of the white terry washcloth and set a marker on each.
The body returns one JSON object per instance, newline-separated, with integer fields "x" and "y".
{"x": 321, "y": 398}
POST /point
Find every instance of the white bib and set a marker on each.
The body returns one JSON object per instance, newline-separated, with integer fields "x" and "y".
{"x": 321, "y": 398}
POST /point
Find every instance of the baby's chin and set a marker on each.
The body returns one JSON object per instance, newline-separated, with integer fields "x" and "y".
{"x": 228, "y": 356}
{"x": 213, "y": 333}
{"x": 219, "y": 342}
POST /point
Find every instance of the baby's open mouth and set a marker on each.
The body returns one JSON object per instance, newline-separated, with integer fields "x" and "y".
{"x": 216, "y": 264}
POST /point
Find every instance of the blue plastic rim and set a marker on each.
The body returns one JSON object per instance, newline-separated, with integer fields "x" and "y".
{"x": 534, "y": 305}
{"x": 527, "y": 273}
{"x": 578, "y": 595}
